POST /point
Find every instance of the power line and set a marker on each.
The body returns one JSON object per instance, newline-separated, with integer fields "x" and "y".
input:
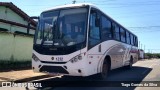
{"x": 144, "y": 31}
{"x": 158, "y": 26}
{"x": 117, "y": 3}
{"x": 105, "y": 2}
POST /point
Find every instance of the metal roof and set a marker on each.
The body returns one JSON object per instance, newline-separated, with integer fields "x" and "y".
{"x": 18, "y": 11}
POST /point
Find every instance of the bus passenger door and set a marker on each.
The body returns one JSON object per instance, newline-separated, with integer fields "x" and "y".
{"x": 94, "y": 40}
{"x": 94, "y": 32}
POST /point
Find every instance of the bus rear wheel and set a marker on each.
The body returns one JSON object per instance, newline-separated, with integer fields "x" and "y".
{"x": 130, "y": 63}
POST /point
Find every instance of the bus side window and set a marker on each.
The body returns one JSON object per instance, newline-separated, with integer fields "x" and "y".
{"x": 94, "y": 32}
{"x": 132, "y": 40}
{"x": 128, "y": 37}
{"x": 116, "y": 33}
{"x": 106, "y": 28}
{"x": 123, "y": 35}
{"x": 136, "y": 42}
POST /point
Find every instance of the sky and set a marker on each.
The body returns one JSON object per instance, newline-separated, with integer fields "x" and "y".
{"x": 142, "y": 17}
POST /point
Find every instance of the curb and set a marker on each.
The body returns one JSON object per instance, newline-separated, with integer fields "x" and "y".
{"x": 32, "y": 78}
{"x": 26, "y": 79}
{"x": 6, "y": 79}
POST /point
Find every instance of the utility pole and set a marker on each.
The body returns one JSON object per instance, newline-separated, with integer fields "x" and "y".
{"x": 74, "y": 1}
{"x": 144, "y": 48}
{"x": 139, "y": 44}
{"x": 144, "y": 53}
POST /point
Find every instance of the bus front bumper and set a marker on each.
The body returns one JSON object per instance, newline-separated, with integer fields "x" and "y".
{"x": 65, "y": 69}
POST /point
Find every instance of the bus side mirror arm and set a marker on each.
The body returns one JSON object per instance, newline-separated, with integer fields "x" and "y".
{"x": 34, "y": 17}
{"x": 29, "y": 22}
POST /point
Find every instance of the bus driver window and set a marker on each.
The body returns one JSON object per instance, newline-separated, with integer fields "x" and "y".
{"x": 94, "y": 34}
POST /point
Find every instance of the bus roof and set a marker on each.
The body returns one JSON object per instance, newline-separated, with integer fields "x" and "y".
{"x": 70, "y": 5}
{"x": 85, "y": 4}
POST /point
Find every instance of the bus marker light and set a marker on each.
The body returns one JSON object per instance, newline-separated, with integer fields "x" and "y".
{"x": 79, "y": 71}
{"x": 52, "y": 58}
{"x": 91, "y": 56}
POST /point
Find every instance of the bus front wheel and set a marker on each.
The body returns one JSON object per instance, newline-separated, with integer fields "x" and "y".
{"x": 105, "y": 70}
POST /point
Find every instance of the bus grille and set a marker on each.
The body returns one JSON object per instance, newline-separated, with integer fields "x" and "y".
{"x": 53, "y": 69}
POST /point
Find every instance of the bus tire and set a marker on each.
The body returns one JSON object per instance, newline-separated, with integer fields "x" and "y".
{"x": 130, "y": 63}
{"x": 105, "y": 70}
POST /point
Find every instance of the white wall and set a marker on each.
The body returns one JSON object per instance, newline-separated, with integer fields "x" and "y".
{"x": 18, "y": 47}
{"x": 8, "y": 14}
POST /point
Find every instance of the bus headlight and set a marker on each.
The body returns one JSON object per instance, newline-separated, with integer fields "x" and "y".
{"x": 76, "y": 58}
{"x": 35, "y": 58}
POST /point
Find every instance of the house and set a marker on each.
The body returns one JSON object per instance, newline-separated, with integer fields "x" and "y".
{"x": 16, "y": 41}
{"x": 14, "y": 19}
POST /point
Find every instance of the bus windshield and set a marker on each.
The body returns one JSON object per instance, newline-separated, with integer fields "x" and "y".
{"x": 65, "y": 27}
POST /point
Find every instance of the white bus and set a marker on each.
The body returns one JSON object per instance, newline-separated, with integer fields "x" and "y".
{"x": 81, "y": 40}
